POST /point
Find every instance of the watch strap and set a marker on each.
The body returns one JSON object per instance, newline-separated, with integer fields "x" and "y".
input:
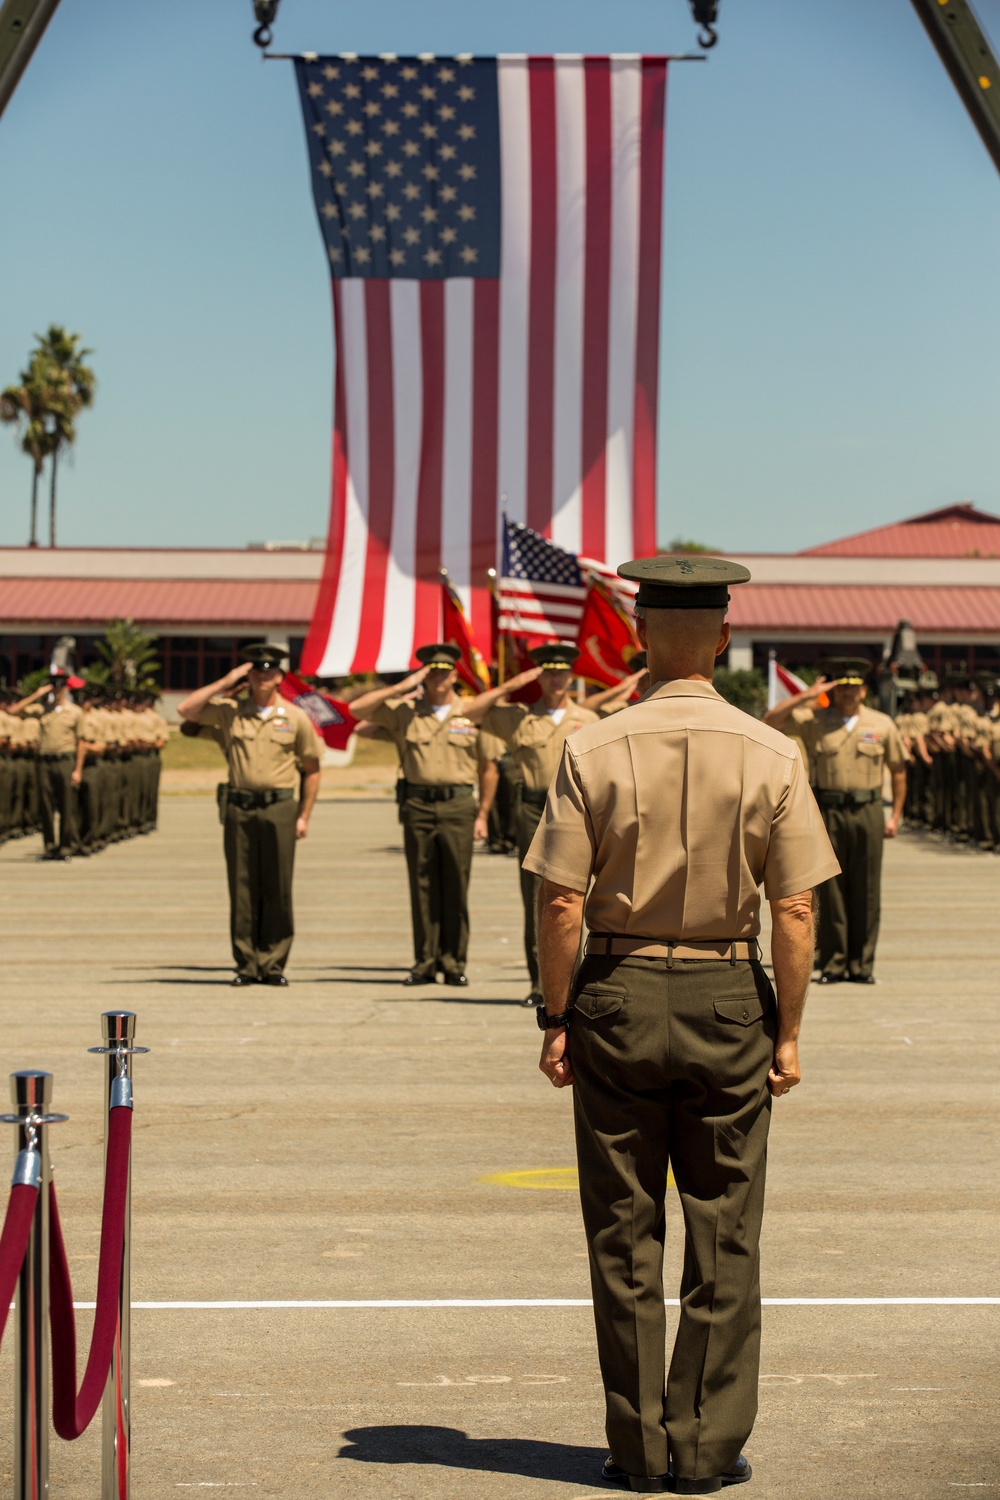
{"x": 550, "y": 1023}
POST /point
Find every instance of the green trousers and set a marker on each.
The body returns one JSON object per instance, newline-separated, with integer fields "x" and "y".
{"x": 850, "y": 905}
{"x": 58, "y": 805}
{"x": 528, "y": 818}
{"x": 437, "y": 839}
{"x": 671, "y": 1070}
{"x": 91, "y": 785}
{"x": 260, "y": 855}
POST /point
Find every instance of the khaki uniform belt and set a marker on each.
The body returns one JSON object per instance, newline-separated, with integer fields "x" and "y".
{"x": 435, "y": 793}
{"x": 251, "y": 801}
{"x": 607, "y": 945}
{"x": 535, "y": 798}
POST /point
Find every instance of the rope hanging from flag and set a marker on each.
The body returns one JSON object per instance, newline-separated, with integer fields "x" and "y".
{"x": 492, "y": 227}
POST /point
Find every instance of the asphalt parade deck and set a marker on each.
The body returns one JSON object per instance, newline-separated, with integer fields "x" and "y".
{"x": 334, "y": 1143}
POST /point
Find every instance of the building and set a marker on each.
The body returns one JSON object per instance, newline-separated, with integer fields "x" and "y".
{"x": 941, "y": 571}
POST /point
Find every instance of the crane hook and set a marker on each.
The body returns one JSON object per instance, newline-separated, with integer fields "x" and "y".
{"x": 707, "y": 37}
{"x": 705, "y": 13}
{"x": 264, "y": 13}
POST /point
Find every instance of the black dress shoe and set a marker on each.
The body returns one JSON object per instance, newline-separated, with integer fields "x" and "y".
{"x": 239, "y": 980}
{"x": 831, "y": 979}
{"x": 863, "y": 979}
{"x": 417, "y": 978}
{"x": 278, "y": 980}
{"x": 534, "y": 999}
{"x": 740, "y": 1473}
{"x": 458, "y": 980}
{"x": 653, "y": 1484}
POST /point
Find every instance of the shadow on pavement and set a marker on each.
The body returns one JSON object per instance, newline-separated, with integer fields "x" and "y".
{"x": 452, "y": 1449}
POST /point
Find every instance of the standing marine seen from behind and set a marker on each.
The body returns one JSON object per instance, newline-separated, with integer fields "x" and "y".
{"x": 274, "y": 757}
{"x": 661, "y": 825}
{"x": 849, "y": 746}
{"x": 442, "y": 757}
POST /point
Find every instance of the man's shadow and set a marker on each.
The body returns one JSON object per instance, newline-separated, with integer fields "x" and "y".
{"x": 451, "y": 1449}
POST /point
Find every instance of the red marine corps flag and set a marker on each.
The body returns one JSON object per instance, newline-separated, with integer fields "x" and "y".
{"x": 455, "y": 629}
{"x": 333, "y": 720}
{"x": 607, "y": 640}
{"x": 492, "y": 228}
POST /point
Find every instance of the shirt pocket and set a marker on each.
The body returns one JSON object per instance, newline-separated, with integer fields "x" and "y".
{"x": 597, "y": 1001}
{"x": 871, "y": 750}
{"x": 421, "y": 729}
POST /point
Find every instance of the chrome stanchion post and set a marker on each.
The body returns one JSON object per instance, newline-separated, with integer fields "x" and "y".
{"x": 118, "y": 1030}
{"x": 31, "y": 1095}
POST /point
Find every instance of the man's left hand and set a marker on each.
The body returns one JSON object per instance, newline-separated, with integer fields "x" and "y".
{"x": 554, "y": 1061}
{"x": 301, "y": 827}
{"x": 481, "y": 828}
{"x": 891, "y": 826}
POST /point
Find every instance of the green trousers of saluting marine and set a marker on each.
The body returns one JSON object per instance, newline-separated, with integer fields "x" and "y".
{"x": 260, "y": 855}
{"x": 437, "y": 839}
{"x": 57, "y": 799}
{"x": 850, "y": 905}
{"x": 529, "y": 815}
{"x": 670, "y": 1069}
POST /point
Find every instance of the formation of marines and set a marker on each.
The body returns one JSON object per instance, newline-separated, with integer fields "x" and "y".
{"x": 952, "y": 732}
{"x": 82, "y": 768}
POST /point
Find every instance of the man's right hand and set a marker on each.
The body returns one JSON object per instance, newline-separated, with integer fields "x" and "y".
{"x": 785, "y": 1072}
{"x": 235, "y": 677}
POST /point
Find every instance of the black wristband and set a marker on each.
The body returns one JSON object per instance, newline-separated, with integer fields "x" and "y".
{"x": 550, "y": 1023}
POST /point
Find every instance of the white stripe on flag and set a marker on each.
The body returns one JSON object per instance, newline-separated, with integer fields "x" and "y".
{"x": 346, "y": 624}
{"x": 571, "y": 203}
{"x": 540, "y": 590}
{"x": 456, "y": 499}
{"x": 400, "y": 587}
{"x": 626, "y": 103}
{"x": 515, "y": 257}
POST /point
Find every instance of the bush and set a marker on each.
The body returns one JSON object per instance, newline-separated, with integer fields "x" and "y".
{"x": 743, "y": 689}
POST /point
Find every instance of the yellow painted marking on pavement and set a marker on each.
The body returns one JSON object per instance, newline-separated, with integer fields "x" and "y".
{"x": 558, "y": 1179}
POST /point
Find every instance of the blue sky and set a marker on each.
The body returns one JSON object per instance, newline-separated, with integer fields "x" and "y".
{"x": 830, "y": 319}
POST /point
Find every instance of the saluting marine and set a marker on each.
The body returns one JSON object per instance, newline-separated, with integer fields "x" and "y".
{"x": 661, "y": 825}
{"x": 534, "y": 735}
{"x": 58, "y": 728}
{"x": 442, "y": 756}
{"x": 273, "y": 753}
{"x": 849, "y": 747}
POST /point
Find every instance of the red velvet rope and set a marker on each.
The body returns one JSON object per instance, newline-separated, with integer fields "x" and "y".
{"x": 14, "y": 1242}
{"x": 72, "y": 1414}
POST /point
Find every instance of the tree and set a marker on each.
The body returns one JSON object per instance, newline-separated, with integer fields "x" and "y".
{"x": 680, "y": 544}
{"x": 53, "y": 388}
{"x": 127, "y": 658}
{"x": 77, "y": 386}
{"x": 743, "y": 689}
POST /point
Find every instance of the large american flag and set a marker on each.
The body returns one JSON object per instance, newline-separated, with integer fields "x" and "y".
{"x": 493, "y": 233}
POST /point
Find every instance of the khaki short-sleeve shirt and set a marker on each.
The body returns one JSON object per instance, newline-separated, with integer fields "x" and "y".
{"x": 851, "y": 760}
{"x": 941, "y": 719}
{"x": 679, "y": 808}
{"x": 58, "y": 729}
{"x": 264, "y": 754}
{"x": 433, "y": 751}
{"x": 534, "y": 739}
{"x": 92, "y": 727}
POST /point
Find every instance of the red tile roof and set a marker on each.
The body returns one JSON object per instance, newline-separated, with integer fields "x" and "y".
{"x": 156, "y": 602}
{"x": 833, "y": 608}
{"x": 954, "y": 531}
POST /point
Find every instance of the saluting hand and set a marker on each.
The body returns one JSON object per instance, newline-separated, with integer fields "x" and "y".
{"x": 235, "y": 677}
{"x": 554, "y": 1062}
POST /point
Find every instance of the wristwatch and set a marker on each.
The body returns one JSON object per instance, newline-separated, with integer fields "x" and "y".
{"x": 550, "y": 1023}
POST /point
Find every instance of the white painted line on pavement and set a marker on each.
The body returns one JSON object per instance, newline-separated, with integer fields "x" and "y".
{"x": 544, "y": 1302}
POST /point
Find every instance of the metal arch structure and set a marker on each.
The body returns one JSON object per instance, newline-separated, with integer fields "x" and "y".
{"x": 22, "y": 25}
{"x": 959, "y": 41}
{"x": 962, "y": 46}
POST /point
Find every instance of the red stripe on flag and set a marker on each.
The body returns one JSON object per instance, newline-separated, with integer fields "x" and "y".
{"x": 427, "y": 588}
{"x": 322, "y": 618}
{"x": 485, "y": 424}
{"x": 381, "y": 472}
{"x": 654, "y": 87}
{"x": 596, "y": 303}
{"x": 542, "y": 293}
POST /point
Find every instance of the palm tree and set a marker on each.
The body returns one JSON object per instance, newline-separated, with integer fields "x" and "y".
{"x": 29, "y": 407}
{"x": 53, "y": 388}
{"x": 127, "y": 658}
{"x": 77, "y": 386}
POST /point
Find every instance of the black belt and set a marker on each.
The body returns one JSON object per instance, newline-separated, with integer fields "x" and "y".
{"x": 534, "y": 799}
{"x": 250, "y": 800}
{"x": 848, "y": 799}
{"x": 67, "y": 755}
{"x": 435, "y": 793}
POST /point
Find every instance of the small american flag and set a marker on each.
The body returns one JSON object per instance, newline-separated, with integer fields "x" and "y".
{"x": 492, "y": 228}
{"x": 543, "y": 588}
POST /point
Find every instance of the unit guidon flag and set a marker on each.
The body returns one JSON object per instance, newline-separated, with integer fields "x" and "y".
{"x": 493, "y": 233}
